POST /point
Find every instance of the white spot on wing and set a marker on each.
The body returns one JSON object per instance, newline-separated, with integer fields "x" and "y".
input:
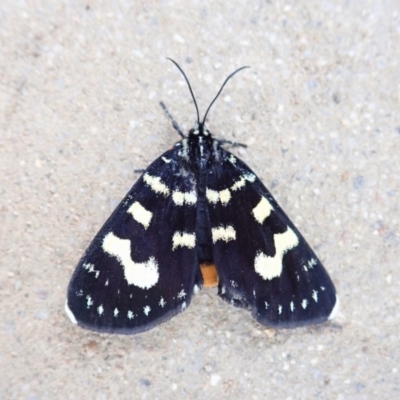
{"x": 183, "y": 239}
{"x": 279, "y": 309}
{"x": 222, "y": 233}
{"x": 156, "y": 184}
{"x": 315, "y": 295}
{"x": 223, "y": 196}
{"x": 71, "y": 316}
{"x": 89, "y": 301}
{"x": 212, "y": 196}
{"x": 291, "y": 306}
{"x": 271, "y": 267}
{"x": 130, "y": 315}
{"x": 162, "y": 302}
{"x": 304, "y": 303}
{"x": 116, "y": 312}
{"x": 181, "y": 294}
{"x": 166, "y": 160}
{"x": 183, "y": 306}
{"x": 190, "y": 197}
{"x": 238, "y": 184}
{"x": 241, "y": 183}
{"x": 262, "y": 210}
{"x": 249, "y": 177}
{"x": 144, "y": 275}
{"x": 140, "y": 214}
{"x": 335, "y": 309}
{"x": 146, "y": 310}
{"x": 100, "y": 309}
{"x": 90, "y": 268}
{"x": 179, "y": 198}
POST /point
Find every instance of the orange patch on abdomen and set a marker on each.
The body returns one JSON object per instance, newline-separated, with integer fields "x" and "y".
{"x": 210, "y": 275}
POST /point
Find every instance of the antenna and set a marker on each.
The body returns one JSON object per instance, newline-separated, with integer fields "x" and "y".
{"x": 191, "y": 91}
{"x": 220, "y": 90}
{"x": 190, "y": 88}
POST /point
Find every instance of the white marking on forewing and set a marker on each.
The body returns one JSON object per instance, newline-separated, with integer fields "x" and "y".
{"x": 100, "y": 309}
{"x": 315, "y": 295}
{"x": 262, "y": 210}
{"x": 140, "y": 214}
{"x": 224, "y": 196}
{"x": 89, "y": 301}
{"x": 271, "y": 267}
{"x": 238, "y": 184}
{"x": 181, "y": 294}
{"x": 291, "y": 306}
{"x": 304, "y": 303}
{"x": 156, "y": 184}
{"x": 190, "y": 197}
{"x": 130, "y": 315}
{"x": 90, "y": 268}
{"x": 116, "y": 312}
{"x": 249, "y": 177}
{"x": 179, "y": 198}
{"x": 144, "y": 275}
{"x": 183, "y": 239}
{"x": 71, "y": 316}
{"x": 241, "y": 183}
{"x": 146, "y": 310}
{"x": 212, "y": 196}
{"x": 223, "y": 233}
{"x": 335, "y": 309}
{"x": 166, "y": 160}
{"x": 162, "y": 302}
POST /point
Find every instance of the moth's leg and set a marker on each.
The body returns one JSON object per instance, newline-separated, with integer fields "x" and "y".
{"x": 174, "y": 123}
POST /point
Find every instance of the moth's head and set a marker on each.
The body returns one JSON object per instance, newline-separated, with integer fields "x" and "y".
{"x": 198, "y": 130}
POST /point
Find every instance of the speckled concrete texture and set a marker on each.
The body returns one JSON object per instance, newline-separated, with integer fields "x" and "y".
{"x": 80, "y": 84}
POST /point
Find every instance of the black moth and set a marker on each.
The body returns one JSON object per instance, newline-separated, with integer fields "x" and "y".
{"x": 197, "y": 211}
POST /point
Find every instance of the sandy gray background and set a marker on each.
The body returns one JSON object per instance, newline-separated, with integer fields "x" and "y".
{"x": 80, "y": 84}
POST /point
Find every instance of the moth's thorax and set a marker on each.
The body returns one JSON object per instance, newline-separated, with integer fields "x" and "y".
{"x": 199, "y": 149}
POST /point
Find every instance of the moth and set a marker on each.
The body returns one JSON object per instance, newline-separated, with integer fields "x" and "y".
{"x": 198, "y": 216}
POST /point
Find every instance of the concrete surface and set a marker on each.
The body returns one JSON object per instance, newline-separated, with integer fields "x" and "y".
{"x": 80, "y": 84}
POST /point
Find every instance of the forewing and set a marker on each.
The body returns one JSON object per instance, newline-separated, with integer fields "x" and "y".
{"x": 262, "y": 260}
{"x": 141, "y": 267}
